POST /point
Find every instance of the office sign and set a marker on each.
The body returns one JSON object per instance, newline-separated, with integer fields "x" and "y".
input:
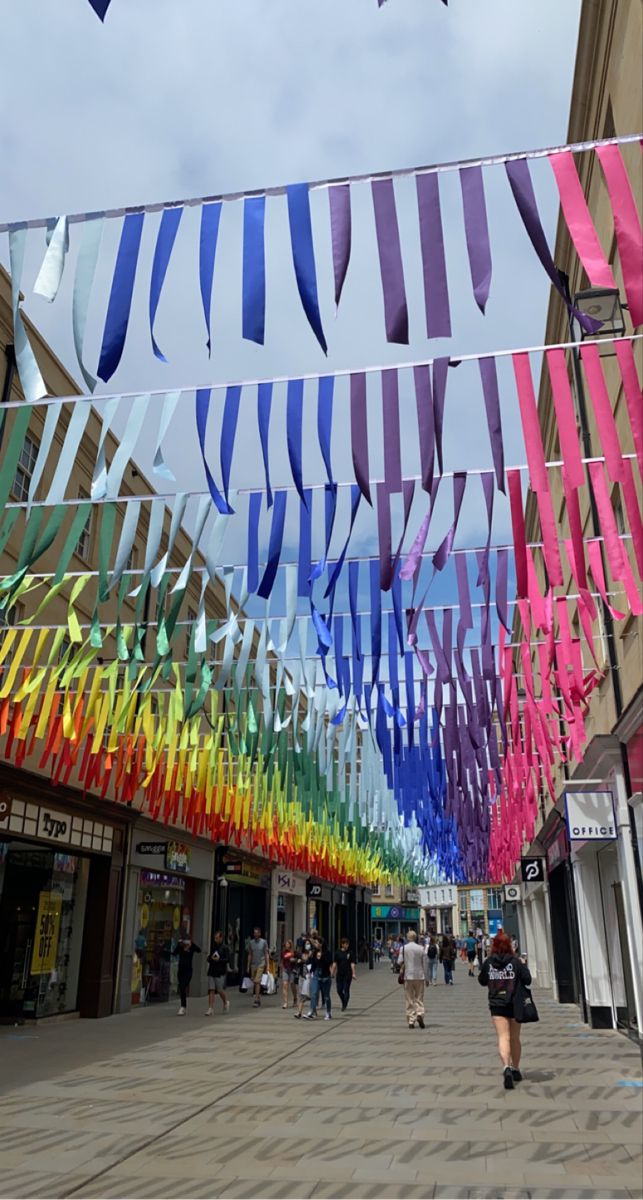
{"x": 590, "y": 817}
{"x": 532, "y": 870}
{"x": 512, "y": 893}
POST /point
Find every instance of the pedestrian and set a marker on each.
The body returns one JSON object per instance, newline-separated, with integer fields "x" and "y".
{"x": 302, "y": 968}
{"x": 480, "y": 949}
{"x": 288, "y": 979}
{"x": 185, "y": 951}
{"x": 471, "y": 951}
{"x": 218, "y": 964}
{"x": 500, "y": 974}
{"x": 432, "y": 955}
{"x": 447, "y": 958}
{"x": 412, "y": 959}
{"x": 258, "y": 963}
{"x": 343, "y": 970}
{"x": 322, "y": 962}
{"x": 515, "y": 948}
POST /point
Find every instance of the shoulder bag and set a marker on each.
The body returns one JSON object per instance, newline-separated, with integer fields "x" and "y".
{"x": 525, "y": 1010}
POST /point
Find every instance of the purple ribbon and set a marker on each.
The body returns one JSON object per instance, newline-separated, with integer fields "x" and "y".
{"x": 120, "y": 296}
{"x": 376, "y": 620}
{"x": 426, "y": 429}
{"x": 522, "y": 187}
{"x": 339, "y": 200}
{"x": 396, "y": 315}
{"x": 208, "y": 237}
{"x": 436, "y": 288}
{"x": 387, "y": 565}
{"x": 464, "y": 596}
{"x": 303, "y": 256}
{"x": 477, "y": 232}
{"x": 440, "y": 372}
{"x": 488, "y": 491}
{"x": 391, "y": 430}
{"x": 489, "y": 377}
{"x": 359, "y": 434}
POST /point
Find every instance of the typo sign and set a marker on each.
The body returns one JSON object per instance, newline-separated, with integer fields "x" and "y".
{"x": 532, "y": 870}
{"x": 5, "y": 808}
{"x": 53, "y": 825}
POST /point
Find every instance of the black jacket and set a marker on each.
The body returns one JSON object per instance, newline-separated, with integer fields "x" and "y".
{"x": 218, "y": 966}
{"x": 185, "y": 956}
{"x": 500, "y": 974}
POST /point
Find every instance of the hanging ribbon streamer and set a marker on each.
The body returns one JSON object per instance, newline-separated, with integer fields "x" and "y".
{"x": 440, "y": 372}
{"x": 339, "y": 200}
{"x": 68, "y": 452}
{"x": 33, "y": 384}
{"x": 168, "y": 229}
{"x": 633, "y": 396}
{"x": 303, "y": 255}
{"x": 254, "y": 514}
{"x": 274, "y": 548}
{"x": 120, "y": 298}
{"x": 123, "y": 454}
{"x": 53, "y": 264}
{"x": 83, "y": 282}
{"x": 325, "y": 421}
{"x": 294, "y": 420}
{"x": 441, "y": 556}
{"x": 160, "y": 466}
{"x": 477, "y": 233}
{"x": 629, "y": 237}
{"x": 359, "y": 434}
{"x": 502, "y": 565}
{"x": 202, "y": 410}
{"x": 228, "y": 434}
{"x": 489, "y": 377}
{"x": 391, "y": 431}
{"x": 356, "y": 496}
{"x": 264, "y": 405}
{"x": 518, "y": 530}
{"x": 565, "y": 416}
{"x": 100, "y": 7}
{"x": 614, "y": 461}
{"x": 305, "y": 544}
{"x": 579, "y": 221}
{"x": 522, "y": 187}
{"x": 254, "y": 270}
{"x": 537, "y": 469}
{"x": 426, "y": 428}
{"x": 617, "y": 558}
{"x": 208, "y": 237}
{"x": 436, "y": 288}
{"x": 396, "y": 317}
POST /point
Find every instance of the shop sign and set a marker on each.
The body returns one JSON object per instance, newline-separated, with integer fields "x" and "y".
{"x": 441, "y": 896}
{"x": 160, "y": 879}
{"x": 394, "y": 912}
{"x": 151, "y": 847}
{"x": 590, "y": 816}
{"x": 177, "y": 856}
{"x": 5, "y": 808}
{"x": 558, "y": 851}
{"x": 476, "y": 901}
{"x": 532, "y": 870}
{"x": 512, "y": 893}
{"x": 45, "y": 947}
{"x": 53, "y": 826}
{"x": 313, "y": 890}
{"x": 245, "y": 871}
{"x": 288, "y": 881}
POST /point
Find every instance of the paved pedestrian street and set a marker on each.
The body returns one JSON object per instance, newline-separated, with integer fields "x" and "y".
{"x": 255, "y": 1104}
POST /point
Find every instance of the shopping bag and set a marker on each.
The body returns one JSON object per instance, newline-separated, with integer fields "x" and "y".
{"x": 246, "y": 984}
{"x": 304, "y": 989}
{"x": 271, "y": 986}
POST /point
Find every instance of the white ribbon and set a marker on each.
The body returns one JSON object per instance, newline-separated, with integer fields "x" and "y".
{"x": 53, "y": 264}
{"x": 83, "y": 281}
{"x": 33, "y": 384}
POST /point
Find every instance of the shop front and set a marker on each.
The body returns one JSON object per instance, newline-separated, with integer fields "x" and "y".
{"x": 60, "y": 893}
{"x": 319, "y": 908}
{"x": 568, "y": 980}
{"x": 169, "y": 897}
{"x": 391, "y": 920}
{"x": 287, "y": 907}
{"x": 242, "y": 902}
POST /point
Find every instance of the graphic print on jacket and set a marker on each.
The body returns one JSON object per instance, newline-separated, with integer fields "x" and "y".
{"x": 500, "y": 973}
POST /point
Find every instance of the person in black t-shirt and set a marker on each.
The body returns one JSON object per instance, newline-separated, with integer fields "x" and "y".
{"x": 218, "y": 965}
{"x": 322, "y": 962}
{"x": 185, "y": 951}
{"x": 344, "y": 971}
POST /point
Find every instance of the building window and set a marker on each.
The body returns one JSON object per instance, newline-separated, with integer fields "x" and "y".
{"x": 84, "y": 543}
{"x": 494, "y": 898}
{"x": 389, "y": 889}
{"x": 25, "y": 468}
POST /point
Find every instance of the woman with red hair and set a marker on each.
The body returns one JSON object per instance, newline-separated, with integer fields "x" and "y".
{"x": 500, "y": 974}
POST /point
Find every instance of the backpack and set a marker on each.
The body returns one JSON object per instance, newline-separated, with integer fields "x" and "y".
{"x": 433, "y": 952}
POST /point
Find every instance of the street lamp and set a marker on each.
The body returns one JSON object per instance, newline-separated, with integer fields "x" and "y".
{"x": 604, "y": 305}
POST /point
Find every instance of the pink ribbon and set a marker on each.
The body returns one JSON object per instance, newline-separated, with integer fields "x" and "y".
{"x": 565, "y": 417}
{"x": 579, "y": 222}
{"x": 603, "y": 411}
{"x": 633, "y": 510}
{"x": 536, "y": 462}
{"x": 596, "y": 567}
{"x": 518, "y": 530}
{"x": 633, "y": 396}
{"x": 619, "y": 563}
{"x": 627, "y": 227}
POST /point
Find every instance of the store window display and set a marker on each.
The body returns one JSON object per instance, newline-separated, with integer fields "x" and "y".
{"x": 165, "y": 908}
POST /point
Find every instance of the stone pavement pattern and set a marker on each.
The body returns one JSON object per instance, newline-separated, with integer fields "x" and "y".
{"x": 255, "y": 1104}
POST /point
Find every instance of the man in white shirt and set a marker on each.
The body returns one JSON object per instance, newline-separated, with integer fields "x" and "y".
{"x": 413, "y": 959}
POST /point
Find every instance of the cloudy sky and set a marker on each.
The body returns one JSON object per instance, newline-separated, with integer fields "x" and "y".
{"x": 170, "y": 100}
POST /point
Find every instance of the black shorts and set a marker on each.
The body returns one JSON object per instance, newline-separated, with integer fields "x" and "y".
{"x": 471, "y": 955}
{"x": 504, "y": 1010}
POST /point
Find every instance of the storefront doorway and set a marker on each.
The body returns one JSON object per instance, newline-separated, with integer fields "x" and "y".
{"x": 165, "y": 909}
{"x": 42, "y": 918}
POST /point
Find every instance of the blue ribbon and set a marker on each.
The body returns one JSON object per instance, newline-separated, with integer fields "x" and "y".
{"x": 254, "y": 269}
{"x": 210, "y": 217}
{"x": 120, "y": 297}
{"x": 254, "y": 513}
{"x": 264, "y": 404}
{"x": 356, "y": 496}
{"x": 376, "y": 618}
{"x": 325, "y": 421}
{"x": 274, "y": 548}
{"x": 228, "y": 432}
{"x": 305, "y": 545}
{"x": 100, "y": 7}
{"x": 303, "y": 255}
{"x": 202, "y": 410}
{"x": 294, "y": 416}
{"x": 168, "y": 230}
